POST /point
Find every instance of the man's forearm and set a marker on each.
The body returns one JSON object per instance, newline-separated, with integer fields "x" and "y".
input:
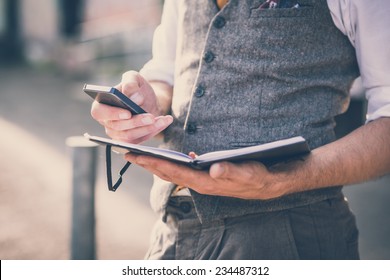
{"x": 360, "y": 156}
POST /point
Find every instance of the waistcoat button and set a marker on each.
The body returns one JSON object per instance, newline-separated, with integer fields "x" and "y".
{"x": 219, "y": 22}
{"x": 199, "y": 91}
{"x": 208, "y": 56}
{"x": 191, "y": 128}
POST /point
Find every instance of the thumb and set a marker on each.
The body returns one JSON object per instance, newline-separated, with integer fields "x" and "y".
{"x": 220, "y": 170}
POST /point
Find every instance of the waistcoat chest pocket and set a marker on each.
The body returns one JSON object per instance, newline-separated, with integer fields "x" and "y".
{"x": 296, "y": 10}
{"x": 281, "y": 13}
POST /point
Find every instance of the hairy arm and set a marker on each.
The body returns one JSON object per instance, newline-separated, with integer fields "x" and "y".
{"x": 362, "y": 155}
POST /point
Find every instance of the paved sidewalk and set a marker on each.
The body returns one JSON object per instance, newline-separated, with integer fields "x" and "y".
{"x": 38, "y": 110}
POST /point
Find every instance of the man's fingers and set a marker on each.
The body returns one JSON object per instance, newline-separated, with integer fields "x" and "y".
{"x": 130, "y": 86}
{"x": 169, "y": 171}
{"x": 135, "y": 121}
{"x": 137, "y": 134}
{"x": 103, "y": 112}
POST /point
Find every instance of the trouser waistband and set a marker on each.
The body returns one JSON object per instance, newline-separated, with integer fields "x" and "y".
{"x": 181, "y": 207}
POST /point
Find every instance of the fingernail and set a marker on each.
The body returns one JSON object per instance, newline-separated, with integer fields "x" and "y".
{"x": 217, "y": 170}
{"x": 220, "y": 169}
{"x": 169, "y": 119}
{"x": 140, "y": 161}
{"x": 124, "y": 116}
{"x": 147, "y": 120}
{"x": 160, "y": 123}
{"x": 137, "y": 98}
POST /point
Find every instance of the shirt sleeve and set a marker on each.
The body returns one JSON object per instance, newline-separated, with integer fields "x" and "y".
{"x": 162, "y": 65}
{"x": 366, "y": 24}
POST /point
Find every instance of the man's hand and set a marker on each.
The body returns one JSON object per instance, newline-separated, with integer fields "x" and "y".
{"x": 248, "y": 180}
{"x": 121, "y": 125}
{"x": 360, "y": 156}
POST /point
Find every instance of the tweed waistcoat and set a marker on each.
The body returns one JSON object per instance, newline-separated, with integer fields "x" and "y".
{"x": 246, "y": 76}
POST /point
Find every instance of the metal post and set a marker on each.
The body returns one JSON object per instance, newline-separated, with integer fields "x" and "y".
{"x": 84, "y": 158}
{"x": 10, "y": 42}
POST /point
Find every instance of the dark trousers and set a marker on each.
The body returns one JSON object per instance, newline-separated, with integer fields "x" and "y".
{"x": 324, "y": 230}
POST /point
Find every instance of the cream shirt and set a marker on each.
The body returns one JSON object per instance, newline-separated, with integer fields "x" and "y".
{"x": 366, "y": 23}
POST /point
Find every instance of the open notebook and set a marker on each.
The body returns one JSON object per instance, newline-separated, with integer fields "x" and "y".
{"x": 267, "y": 153}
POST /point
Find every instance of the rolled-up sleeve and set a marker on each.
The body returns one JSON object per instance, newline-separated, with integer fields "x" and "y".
{"x": 162, "y": 65}
{"x": 366, "y": 23}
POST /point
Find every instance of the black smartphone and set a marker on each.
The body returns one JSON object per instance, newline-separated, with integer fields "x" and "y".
{"x": 113, "y": 97}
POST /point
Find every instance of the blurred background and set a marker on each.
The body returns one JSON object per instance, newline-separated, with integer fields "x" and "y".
{"x": 48, "y": 50}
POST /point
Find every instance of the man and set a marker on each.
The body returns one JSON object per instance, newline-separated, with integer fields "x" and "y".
{"x": 231, "y": 75}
